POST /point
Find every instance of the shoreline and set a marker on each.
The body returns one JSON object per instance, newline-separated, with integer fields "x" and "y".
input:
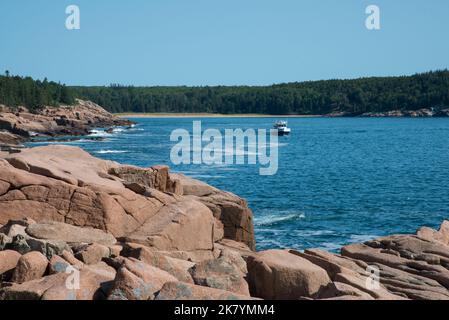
{"x": 208, "y": 115}
{"x": 254, "y": 115}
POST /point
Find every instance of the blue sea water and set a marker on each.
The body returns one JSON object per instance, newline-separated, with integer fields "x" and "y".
{"x": 340, "y": 180}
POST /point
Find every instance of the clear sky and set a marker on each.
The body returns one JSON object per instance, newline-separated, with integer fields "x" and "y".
{"x": 228, "y": 42}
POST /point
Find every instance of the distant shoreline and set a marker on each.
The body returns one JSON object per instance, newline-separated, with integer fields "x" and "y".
{"x": 209, "y": 115}
{"x": 421, "y": 113}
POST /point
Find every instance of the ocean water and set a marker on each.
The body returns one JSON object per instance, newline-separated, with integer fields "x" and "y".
{"x": 340, "y": 180}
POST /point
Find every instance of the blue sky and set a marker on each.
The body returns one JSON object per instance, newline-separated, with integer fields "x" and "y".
{"x": 228, "y": 42}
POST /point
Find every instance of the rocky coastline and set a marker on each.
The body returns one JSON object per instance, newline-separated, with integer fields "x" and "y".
{"x": 75, "y": 227}
{"x": 420, "y": 113}
{"x": 18, "y": 125}
{"x": 145, "y": 233}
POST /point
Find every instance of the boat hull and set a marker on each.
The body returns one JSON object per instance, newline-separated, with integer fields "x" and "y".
{"x": 283, "y": 133}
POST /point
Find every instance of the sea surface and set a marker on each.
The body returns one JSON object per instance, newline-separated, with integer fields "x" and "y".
{"x": 340, "y": 180}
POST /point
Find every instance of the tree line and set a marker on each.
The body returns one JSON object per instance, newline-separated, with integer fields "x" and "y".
{"x": 374, "y": 94}
{"x": 34, "y": 94}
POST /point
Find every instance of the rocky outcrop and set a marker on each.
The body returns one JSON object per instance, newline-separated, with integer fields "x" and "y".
{"x": 8, "y": 261}
{"x": 67, "y": 185}
{"x": 79, "y": 228}
{"x": 234, "y": 216}
{"x": 93, "y": 253}
{"x": 30, "y": 266}
{"x": 136, "y": 280}
{"x": 8, "y": 138}
{"x": 226, "y": 273}
{"x": 442, "y": 235}
{"x": 176, "y": 267}
{"x": 278, "y": 274}
{"x": 20, "y": 124}
{"x": 185, "y": 291}
{"x": 52, "y": 230}
{"x": 419, "y": 113}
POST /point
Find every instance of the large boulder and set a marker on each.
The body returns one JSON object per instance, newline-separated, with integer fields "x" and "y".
{"x": 278, "y": 274}
{"x": 8, "y": 260}
{"x": 176, "y": 267}
{"x": 223, "y": 273}
{"x": 4, "y": 187}
{"x": 90, "y": 283}
{"x": 65, "y": 232}
{"x": 441, "y": 236}
{"x": 186, "y": 225}
{"x": 93, "y": 254}
{"x": 32, "y": 290}
{"x": 70, "y": 258}
{"x": 186, "y": 291}
{"x": 233, "y": 212}
{"x": 7, "y": 138}
{"x": 136, "y": 280}
{"x": 58, "y": 264}
{"x": 31, "y": 266}
{"x": 128, "y": 286}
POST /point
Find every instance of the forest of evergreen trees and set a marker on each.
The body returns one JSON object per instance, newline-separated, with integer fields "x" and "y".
{"x": 33, "y": 94}
{"x": 376, "y": 94}
{"x": 427, "y": 90}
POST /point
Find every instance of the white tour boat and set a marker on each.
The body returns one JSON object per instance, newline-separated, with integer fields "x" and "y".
{"x": 282, "y": 128}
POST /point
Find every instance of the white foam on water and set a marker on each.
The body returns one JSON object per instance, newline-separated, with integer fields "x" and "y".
{"x": 110, "y": 151}
{"x": 268, "y": 220}
{"x": 271, "y": 243}
{"x": 273, "y": 145}
{"x": 313, "y": 233}
{"x": 98, "y": 133}
{"x": 221, "y": 168}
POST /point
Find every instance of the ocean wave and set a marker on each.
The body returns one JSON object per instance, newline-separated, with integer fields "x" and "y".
{"x": 313, "y": 233}
{"x": 116, "y": 130}
{"x": 80, "y": 141}
{"x": 272, "y": 219}
{"x": 110, "y": 151}
{"x": 270, "y": 243}
{"x": 99, "y": 133}
{"x": 63, "y": 142}
{"x": 221, "y": 168}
